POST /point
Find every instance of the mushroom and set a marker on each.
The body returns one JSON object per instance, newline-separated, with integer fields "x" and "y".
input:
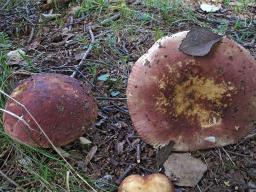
{"x": 195, "y": 102}
{"x": 151, "y": 183}
{"x": 62, "y": 106}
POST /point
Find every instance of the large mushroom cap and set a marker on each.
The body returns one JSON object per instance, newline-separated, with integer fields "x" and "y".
{"x": 62, "y": 106}
{"x": 195, "y": 102}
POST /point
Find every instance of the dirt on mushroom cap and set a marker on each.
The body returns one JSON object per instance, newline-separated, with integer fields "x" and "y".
{"x": 197, "y": 102}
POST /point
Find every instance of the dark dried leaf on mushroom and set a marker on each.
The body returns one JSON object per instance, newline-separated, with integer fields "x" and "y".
{"x": 199, "y": 41}
{"x": 196, "y": 102}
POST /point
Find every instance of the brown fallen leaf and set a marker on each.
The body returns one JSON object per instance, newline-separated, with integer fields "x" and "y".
{"x": 199, "y": 41}
{"x": 90, "y": 155}
{"x": 187, "y": 169}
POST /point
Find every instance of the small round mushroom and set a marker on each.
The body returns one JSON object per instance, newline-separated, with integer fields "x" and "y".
{"x": 63, "y": 107}
{"x": 195, "y": 102}
{"x": 151, "y": 183}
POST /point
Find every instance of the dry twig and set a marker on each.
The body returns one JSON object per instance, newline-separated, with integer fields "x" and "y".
{"x": 48, "y": 6}
{"x": 86, "y": 53}
{"x": 126, "y": 172}
{"x": 11, "y": 181}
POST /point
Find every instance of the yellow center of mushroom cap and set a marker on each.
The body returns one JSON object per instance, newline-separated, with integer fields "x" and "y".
{"x": 202, "y": 99}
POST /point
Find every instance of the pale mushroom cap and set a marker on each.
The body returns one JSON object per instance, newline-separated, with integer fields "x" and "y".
{"x": 62, "y": 106}
{"x": 195, "y": 102}
{"x": 152, "y": 183}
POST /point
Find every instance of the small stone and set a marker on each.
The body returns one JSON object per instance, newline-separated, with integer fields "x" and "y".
{"x": 15, "y": 57}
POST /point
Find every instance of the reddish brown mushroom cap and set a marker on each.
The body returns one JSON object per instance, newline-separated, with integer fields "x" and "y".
{"x": 196, "y": 102}
{"x": 151, "y": 183}
{"x": 62, "y": 106}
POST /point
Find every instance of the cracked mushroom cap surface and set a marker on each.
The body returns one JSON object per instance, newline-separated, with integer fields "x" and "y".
{"x": 62, "y": 106}
{"x": 194, "y": 102}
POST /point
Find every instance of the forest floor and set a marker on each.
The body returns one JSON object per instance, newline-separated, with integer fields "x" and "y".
{"x": 123, "y": 31}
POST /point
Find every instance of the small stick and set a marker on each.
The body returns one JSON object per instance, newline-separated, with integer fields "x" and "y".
{"x": 148, "y": 170}
{"x": 31, "y": 35}
{"x": 89, "y": 82}
{"x": 71, "y": 21}
{"x": 220, "y": 156}
{"x": 5, "y": 5}
{"x": 67, "y": 181}
{"x": 7, "y": 158}
{"x": 86, "y": 53}
{"x": 198, "y": 187}
{"x": 16, "y": 116}
{"x": 228, "y": 156}
{"x": 11, "y": 181}
{"x": 138, "y": 153}
{"x": 126, "y": 172}
{"x": 250, "y": 136}
{"x": 112, "y": 18}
